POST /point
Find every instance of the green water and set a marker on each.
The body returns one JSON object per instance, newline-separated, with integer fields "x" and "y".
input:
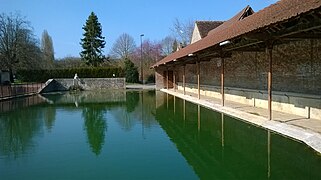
{"x": 140, "y": 135}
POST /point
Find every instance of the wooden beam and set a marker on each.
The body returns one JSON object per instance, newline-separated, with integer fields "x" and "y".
{"x": 243, "y": 46}
{"x": 269, "y": 48}
{"x": 184, "y": 67}
{"x": 302, "y": 36}
{"x": 299, "y": 29}
{"x": 222, "y": 81}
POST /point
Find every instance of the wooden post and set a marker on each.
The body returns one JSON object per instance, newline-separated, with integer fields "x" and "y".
{"x": 174, "y": 79}
{"x": 184, "y": 67}
{"x": 198, "y": 80}
{"x": 167, "y": 79}
{"x": 222, "y": 81}
{"x": 269, "y": 48}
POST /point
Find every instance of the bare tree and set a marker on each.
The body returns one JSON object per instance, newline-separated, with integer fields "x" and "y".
{"x": 151, "y": 54}
{"x": 47, "y": 49}
{"x": 167, "y": 45}
{"x": 183, "y": 31}
{"x": 18, "y": 47}
{"x": 69, "y": 62}
{"x": 123, "y": 47}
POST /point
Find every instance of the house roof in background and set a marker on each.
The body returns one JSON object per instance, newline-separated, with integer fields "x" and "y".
{"x": 204, "y": 27}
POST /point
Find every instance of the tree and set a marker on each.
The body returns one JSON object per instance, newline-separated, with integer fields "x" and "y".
{"x": 151, "y": 54}
{"x": 131, "y": 72}
{"x": 18, "y": 47}
{"x": 47, "y": 49}
{"x": 175, "y": 46}
{"x": 124, "y": 46}
{"x": 167, "y": 45}
{"x": 69, "y": 62}
{"x": 183, "y": 31}
{"x": 93, "y": 41}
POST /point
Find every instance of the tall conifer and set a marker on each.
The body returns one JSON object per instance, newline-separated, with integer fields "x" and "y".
{"x": 93, "y": 41}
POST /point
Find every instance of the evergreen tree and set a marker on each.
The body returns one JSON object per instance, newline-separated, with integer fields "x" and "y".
{"x": 93, "y": 41}
{"x": 131, "y": 72}
{"x": 47, "y": 49}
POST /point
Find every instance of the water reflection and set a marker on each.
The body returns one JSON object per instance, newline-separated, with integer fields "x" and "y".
{"x": 49, "y": 117}
{"x": 17, "y": 131}
{"x": 220, "y": 147}
{"x": 95, "y": 126}
{"x": 132, "y": 100}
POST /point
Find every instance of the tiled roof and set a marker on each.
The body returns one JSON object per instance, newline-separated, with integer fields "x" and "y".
{"x": 238, "y": 17}
{"x": 206, "y": 26}
{"x": 275, "y": 13}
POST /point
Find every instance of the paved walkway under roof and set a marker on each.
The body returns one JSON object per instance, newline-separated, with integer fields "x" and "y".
{"x": 294, "y": 126}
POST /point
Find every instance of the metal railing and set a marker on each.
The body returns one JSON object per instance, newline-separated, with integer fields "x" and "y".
{"x": 14, "y": 90}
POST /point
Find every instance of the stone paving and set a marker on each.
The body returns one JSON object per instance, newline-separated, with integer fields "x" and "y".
{"x": 294, "y": 126}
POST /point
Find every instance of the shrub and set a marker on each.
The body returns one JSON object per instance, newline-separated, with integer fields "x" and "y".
{"x": 44, "y": 75}
{"x": 151, "y": 78}
{"x": 131, "y": 72}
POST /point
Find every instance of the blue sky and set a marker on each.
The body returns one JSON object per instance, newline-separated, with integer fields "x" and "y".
{"x": 64, "y": 19}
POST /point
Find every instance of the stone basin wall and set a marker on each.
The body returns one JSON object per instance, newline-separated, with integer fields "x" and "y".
{"x": 85, "y": 83}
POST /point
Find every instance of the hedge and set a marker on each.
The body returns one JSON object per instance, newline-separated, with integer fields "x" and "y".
{"x": 43, "y": 75}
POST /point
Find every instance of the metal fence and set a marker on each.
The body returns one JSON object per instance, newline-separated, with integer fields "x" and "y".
{"x": 14, "y": 90}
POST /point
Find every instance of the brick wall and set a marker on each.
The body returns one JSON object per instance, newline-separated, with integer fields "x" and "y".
{"x": 159, "y": 78}
{"x": 296, "y": 68}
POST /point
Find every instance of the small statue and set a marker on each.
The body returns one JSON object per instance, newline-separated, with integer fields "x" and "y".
{"x": 76, "y": 79}
{"x": 76, "y": 76}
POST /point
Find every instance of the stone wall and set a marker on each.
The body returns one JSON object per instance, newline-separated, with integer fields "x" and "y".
{"x": 85, "y": 83}
{"x": 88, "y": 97}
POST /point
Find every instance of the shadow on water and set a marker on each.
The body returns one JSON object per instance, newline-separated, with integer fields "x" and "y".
{"x": 220, "y": 147}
